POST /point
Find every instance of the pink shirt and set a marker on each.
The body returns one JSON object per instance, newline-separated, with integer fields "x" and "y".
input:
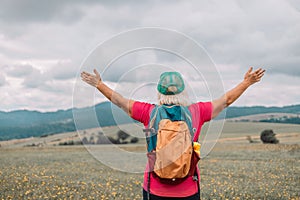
{"x": 201, "y": 112}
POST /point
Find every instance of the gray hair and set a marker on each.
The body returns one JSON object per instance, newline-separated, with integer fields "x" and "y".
{"x": 181, "y": 99}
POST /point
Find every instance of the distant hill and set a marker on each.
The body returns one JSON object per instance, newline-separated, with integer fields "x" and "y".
{"x": 24, "y": 123}
{"x": 253, "y": 110}
{"x": 287, "y": 118}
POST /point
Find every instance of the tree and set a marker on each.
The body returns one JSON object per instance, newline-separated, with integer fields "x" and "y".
{"x": 122, "y": 136}
{"x": 102, "y": 139}
{"x": 134, "y": 140}
{"x": 85, "y": 141}
{"x": 92, "y": 140}
{"x": 268, "y": 136}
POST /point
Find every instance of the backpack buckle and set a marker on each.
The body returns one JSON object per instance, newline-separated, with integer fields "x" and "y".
{"x": 149, "y": 130}
{"x": 195, "y": 178}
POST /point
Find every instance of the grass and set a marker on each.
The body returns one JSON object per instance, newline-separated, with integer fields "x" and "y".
{"x": 235, "y": 169}
{"x": 251, "y": 171}
{"x": 62, "y": 173}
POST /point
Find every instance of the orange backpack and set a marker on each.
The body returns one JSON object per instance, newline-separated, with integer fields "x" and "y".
{"x": 171, "y": 155}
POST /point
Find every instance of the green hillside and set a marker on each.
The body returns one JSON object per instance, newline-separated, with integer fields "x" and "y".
{"x": 23, "y": 123}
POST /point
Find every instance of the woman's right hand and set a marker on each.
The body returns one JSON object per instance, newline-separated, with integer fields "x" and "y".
{"x": 92, "y": 79}
{"x": 253, "y": 77}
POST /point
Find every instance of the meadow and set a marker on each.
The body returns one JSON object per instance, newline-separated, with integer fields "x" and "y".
{"x": 234, "y": 169}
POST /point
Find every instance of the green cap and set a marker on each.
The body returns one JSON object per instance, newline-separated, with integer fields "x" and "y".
{"x": 170, "y": 83}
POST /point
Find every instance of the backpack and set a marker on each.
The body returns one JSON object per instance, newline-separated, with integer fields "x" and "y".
{"x": 171, "y": 155}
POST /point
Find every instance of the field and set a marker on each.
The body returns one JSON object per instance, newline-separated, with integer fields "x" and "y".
{"x": 234, "y": 169}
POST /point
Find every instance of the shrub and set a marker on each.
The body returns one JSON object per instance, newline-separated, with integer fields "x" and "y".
{"x": 134, "y": 140}
{"x": 268, "y": 136}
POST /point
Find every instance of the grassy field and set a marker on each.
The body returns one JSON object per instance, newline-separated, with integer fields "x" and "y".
{"x": 235, "y": 169}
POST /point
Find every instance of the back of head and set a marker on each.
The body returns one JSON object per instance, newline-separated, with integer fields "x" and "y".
{"x": 171, "y": 89}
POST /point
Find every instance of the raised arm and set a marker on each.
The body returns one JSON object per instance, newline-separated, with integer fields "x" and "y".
{"x": 117, "y": 99}
{"x": 229, "y": 97}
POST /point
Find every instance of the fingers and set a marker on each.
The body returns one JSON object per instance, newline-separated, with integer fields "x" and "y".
{"x": 258, "y": 74}
{"x": 254, "y": 76}
{"x": 261, "y": 73}
{"x": 250, "y": 70}
{"x": 96, "y": 72}
{"x": 91, "y": 78}
{"x": 85, "y": 74}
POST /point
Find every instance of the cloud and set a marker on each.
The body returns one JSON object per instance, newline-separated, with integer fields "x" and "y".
{"x": 35, "y": 79}
{"x": 2, "y": 80}
{"x": 30, "y": 76}
{"x": 43, "y": 44}
{"x": 30, "y": 11}
{"x": 35, "y": 98}
{"x": 62, "y": 70}
{"x": 237, "y": 32}
{"x": 62, "y": 88}
{"x": 19, "y": 70}
{"x": 60, "y": 11}
{"x": 268, "y": 40}
{"x": 273, "y": 90}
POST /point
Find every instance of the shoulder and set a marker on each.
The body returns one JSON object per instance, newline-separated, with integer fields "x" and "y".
{"x": 141, "y": 111}
{"x": 201, "y": 110}
{"x": 201, "y": 105}
{"x": 137, "y": 105}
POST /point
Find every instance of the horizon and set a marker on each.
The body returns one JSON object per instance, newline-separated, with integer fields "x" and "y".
{"x": 71, "y": 108}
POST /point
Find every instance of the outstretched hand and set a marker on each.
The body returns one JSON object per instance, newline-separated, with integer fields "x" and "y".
{"x": 92, "y": 79}
{"x": 255, "y": 76}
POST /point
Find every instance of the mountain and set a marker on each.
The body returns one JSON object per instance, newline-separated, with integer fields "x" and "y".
{"x": 24, "y": 123}
{"x": 253, "y": 110}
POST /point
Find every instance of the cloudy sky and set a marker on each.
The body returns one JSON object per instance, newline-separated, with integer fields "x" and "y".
{"x": 43, "y": 45}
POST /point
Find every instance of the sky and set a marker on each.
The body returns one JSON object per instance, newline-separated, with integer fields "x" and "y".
{"x": 45, "y": 44}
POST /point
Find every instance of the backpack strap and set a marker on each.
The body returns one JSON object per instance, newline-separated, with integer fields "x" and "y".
{"x": 148, "y": 185}
{"x": 196, "y": 178}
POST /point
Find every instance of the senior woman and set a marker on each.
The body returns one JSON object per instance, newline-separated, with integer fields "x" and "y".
{"x": 171, "y": 91}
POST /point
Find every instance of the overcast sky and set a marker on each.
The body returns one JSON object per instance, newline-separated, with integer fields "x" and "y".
{"x": 44, "y": 43}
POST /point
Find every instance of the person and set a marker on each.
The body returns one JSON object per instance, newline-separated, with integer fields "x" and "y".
{"x": 171, "y": 91}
